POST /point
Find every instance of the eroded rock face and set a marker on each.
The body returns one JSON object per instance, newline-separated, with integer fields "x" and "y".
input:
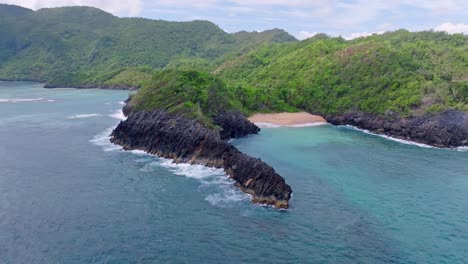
{"x": 447, "y": 129}
{"x": 187, "y": 141}
{"x": 235, "y": 125}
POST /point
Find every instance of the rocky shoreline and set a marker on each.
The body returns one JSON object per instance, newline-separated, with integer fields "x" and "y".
{"x": 448, "y": 129}
{"x": 183, "y": 140}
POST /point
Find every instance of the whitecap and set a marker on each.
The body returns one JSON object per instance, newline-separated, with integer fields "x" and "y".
{"x": 218, "y": 188}
{"x": 122, "y": 103}
{"x": 462, "y": 149}
{"x": 103, "y": 140}
{"x": 24, "y": 100}
{"x": 228, "y": 195}
{"x": 140, "y": 152}
{"x": 83, "y": 116}
{"x": 190, "y": 171}
{"x": 402, "y": 141}
{"x": 118, "y": 114}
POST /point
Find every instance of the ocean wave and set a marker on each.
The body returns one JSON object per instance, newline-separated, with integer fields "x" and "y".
{"x": 462, "y": 149}
{"x": 121, "y": 103}
{"x": 402, "y": 141}
{"x": 218, "y": 188}
{"x": 118, "y": 114}
{"x": 271, "y": 125}
{"x": 83, "y": 116}
{"x": 24, "y": 100}
{"x": 191, "y": 171}
{"x": 103, "y": 140}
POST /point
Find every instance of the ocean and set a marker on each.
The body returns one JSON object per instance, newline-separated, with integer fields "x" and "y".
{"x": 67, "y": 195}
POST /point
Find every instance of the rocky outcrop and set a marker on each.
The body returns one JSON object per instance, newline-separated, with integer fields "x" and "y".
{"x": 447, "y": 129}
{"x": 187, "y": 141}
{"x": 234, "y": 125}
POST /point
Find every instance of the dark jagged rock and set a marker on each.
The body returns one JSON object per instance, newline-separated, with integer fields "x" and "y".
{"x": 234, "y": 125}
{"x": 447, "y": 129}
{"x": 127, "y": 109}
{"x": 187, "y": 141}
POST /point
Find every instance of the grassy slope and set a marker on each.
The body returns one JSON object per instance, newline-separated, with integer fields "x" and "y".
{"x": 192, "y": 94}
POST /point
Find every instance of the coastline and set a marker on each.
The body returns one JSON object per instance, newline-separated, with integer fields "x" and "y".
{"x": 185, "y": 141}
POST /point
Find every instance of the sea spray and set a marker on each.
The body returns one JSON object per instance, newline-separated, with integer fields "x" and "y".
{"x": 402, "y": 141}
{"x": 118, "y": 114}
{"x": 24, "y": 100}
{"x": 80, "y": 116}
{"x": 218, "y": 188}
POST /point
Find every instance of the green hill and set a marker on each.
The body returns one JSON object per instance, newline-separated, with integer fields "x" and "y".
{"x": 192, "y": 94}
{"x": 397, "y": 72}
{"x": 84, "y": 46}
{"x": 402, "y": 72}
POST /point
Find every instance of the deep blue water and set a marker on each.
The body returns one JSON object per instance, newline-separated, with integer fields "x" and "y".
{"x": 68, "y": 196}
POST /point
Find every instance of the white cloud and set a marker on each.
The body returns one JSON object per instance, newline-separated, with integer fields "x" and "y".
{"x": 117, "y": 7}
{"x": 453, "y": 28}
{"x": 305, "y": 35}
{"x": 361, "y": 34}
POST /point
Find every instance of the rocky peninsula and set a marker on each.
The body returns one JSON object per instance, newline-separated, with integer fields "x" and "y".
{"x": 173, "y": 126}
{"x": 187, "y": 141}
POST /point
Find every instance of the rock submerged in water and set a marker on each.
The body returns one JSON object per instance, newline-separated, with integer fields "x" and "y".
{"x": 187, "y": 141}
{"x": 447, "y": 129}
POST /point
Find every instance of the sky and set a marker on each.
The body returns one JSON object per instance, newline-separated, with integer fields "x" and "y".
{"x": 301, "y": 18}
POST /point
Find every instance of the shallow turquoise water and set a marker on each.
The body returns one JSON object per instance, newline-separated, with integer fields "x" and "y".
{"x": 68, "y": 196}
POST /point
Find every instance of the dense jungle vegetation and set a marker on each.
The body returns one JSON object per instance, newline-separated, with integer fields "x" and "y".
{"x": 398, "y": 72}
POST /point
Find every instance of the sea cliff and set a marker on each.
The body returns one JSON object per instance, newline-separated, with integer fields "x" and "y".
{"x": 446, "y": 129}
{"x": 183, "y": 140}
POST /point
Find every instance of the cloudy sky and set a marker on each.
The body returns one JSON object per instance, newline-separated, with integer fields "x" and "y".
{"x": 302, "y": 18}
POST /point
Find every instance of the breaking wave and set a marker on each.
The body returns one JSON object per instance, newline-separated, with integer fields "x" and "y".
{"x": 83, "y": 116}
{"x": 215, "y": 185}
{"x": 24, "y": 100}
{"x": 118, "y": 114}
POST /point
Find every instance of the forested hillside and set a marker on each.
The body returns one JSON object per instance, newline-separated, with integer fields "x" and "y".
{"x": 402, "y": 72}
{"x": 84, "y": 46}
{"x": 398, "y": 72}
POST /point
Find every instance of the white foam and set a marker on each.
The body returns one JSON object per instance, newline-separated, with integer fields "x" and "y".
{"x": 191, "y": 171}
{"x": 122, "y": 103}
{"x": 462, "y": 149}
{"x": 83, "y": 116}
{"x": 271, "y": 125}
{"x": 24, "y": 100}
{"x": 228, "y": 194}
{"x": 406, "y": 142}
{"x": 222, "y": 191}
{"x": 118, "y": 115}
{"x": 140, "y": 152}
{"x": 103, "y": 140}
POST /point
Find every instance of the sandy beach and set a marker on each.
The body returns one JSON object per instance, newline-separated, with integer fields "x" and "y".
{"x": 287, "y": 119}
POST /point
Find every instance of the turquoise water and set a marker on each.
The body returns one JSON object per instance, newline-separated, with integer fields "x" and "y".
{"x": 68, "y": 196}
